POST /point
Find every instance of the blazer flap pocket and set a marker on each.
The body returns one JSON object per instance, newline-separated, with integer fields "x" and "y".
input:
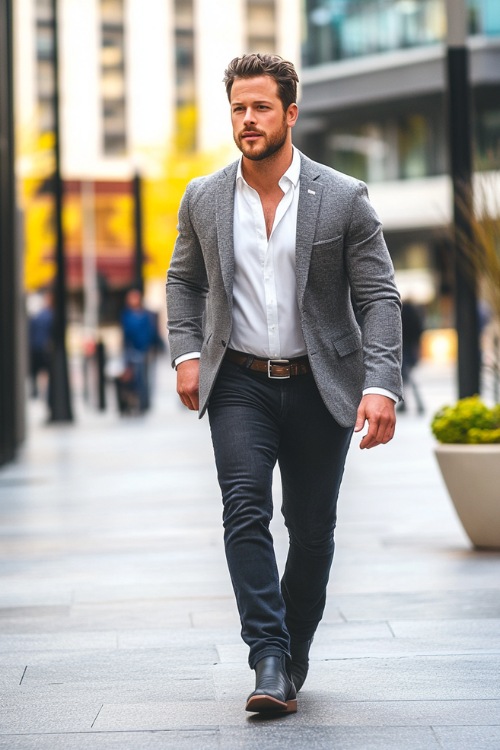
{"x": 327, "y": 244}
{"x": 348, "y": 344}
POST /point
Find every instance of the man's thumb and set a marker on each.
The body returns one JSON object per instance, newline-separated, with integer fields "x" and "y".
{"x": 360, "y": 421}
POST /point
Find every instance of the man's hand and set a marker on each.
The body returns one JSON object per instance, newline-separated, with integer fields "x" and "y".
{"x": 380, "y": 413}
{"x": 188, "y": 381}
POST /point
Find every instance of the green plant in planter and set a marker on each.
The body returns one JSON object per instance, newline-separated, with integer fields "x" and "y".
{"x": 467, "y": 421}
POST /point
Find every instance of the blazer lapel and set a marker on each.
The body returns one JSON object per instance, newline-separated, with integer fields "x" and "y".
{"x": 224, "y": 216}
{"x": 307, "y": 215}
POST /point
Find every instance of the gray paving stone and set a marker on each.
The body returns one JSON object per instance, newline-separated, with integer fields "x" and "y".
{"x": 20, "y": 614}
{"x": 169, "y": 685}
{"x": 80, "y": 668}
{"x": 402, "y": 647}
{"x": 56, "y": 715}
{"x": 485, "y": 632}
{"x": 117, "y": 612}
{"x": 162, "y": 638}
{"x": 426, "y": 605}
{"x": 285, "y": 733}
{"x": 59, "y": 642}
{"x": 334, "y": 706}
{"x": 233, "y": 653}
{"x": 20, "y": 593}
{"x": 199, "y": 715}
{"x": 11, "y": 674}
{"x": 168, "y": 740}
{"x": 468, "y": 738}
{"x": 353, "y": 631}
{"x": 416, "y": 678}
{"x": 318, "y": 708}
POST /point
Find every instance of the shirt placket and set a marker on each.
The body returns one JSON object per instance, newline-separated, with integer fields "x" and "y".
{"x": 270, "y": 285}
{"x": 266, "y": 251}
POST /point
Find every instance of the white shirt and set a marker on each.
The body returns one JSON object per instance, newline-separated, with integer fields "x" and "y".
{"x": 266, "y": 321}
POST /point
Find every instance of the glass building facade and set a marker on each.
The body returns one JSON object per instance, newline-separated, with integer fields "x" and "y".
{"x": 403, "y": 139}
{"x": 345, "y": 29}
{"x": 374, "y": 106}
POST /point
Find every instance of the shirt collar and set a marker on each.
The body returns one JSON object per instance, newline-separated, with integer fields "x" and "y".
{"x": 291, "y": 175}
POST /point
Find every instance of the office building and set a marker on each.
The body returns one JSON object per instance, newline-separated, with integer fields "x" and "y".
{"x": 374, "y": 105}
{"x": 140, "y": 81}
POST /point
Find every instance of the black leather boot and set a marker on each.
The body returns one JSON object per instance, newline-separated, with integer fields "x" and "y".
{"x": 300, "y": 661}
{"x": 274, "y": 690}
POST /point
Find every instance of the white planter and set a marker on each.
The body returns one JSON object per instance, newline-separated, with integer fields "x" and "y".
{"x": 472, "y": 477}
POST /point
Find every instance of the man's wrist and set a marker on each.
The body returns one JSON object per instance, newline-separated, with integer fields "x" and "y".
{"x": 185, "y": 358}
{"x": 381, "y": 392}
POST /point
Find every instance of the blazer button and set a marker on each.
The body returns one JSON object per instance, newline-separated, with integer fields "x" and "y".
{"x": 223, "y": 342}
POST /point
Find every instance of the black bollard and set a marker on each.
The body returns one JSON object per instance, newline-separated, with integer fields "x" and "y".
{"x": 100, "y": 353}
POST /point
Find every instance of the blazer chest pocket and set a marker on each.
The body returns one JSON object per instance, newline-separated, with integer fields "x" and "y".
{"x": 327, "y": 254}
{"x": 327, "y": 246}
{"x": 327, "y": 259}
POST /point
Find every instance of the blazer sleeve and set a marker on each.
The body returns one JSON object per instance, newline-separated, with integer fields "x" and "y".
{"x": 187, "y": 285}
{"x": 375, "y": 295}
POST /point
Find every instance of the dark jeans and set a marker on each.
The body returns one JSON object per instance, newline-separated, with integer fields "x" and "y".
{"x": 138, "y": 361}
{"x": 256, "y": 421}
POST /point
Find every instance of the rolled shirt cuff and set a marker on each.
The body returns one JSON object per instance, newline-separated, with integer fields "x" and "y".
{"x": 185, "y": 357}
{"x": 381, "y": 392}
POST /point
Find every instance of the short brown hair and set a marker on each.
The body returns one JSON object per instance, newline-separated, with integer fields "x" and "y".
{"x": 255, "y": 64}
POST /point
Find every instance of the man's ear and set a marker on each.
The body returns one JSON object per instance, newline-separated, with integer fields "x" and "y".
{"x": 292, "y": 114}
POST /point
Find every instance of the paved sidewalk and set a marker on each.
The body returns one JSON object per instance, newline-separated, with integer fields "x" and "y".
{"x": 118, "y": 626}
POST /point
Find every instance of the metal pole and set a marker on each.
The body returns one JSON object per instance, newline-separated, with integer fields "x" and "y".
{"x": 138, "y": 233}
{"x": 59, "y": 387}
{"x": 460, "y": 135}
{"x": 90, "y": 288}
{"x": 10, "y": 403}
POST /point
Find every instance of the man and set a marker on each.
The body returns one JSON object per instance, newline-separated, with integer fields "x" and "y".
{"x": 413, "y": 328}
{"x": 272, "y": 254}
{"x": 140, "y": 335}
{"x": 41, "y": 333}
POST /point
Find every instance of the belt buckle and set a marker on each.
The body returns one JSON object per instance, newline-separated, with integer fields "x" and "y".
{"x": 279, "y": 363}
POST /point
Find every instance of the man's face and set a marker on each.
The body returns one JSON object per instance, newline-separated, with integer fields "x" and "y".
{"x": 134, "y": 299}
{"x": 260, "y": 126}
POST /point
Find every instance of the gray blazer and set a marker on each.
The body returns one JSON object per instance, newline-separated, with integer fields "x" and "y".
{"x": 341, "y": 259}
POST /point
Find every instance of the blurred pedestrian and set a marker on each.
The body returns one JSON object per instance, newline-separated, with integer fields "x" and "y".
{"x": 262, "y": 333}
{"x": 140, "y": 336}
{"x": 413, "y": 327}
{"x": 40, "y": 337}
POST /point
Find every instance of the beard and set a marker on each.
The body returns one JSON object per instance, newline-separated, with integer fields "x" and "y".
{"x": 271, "y": 144}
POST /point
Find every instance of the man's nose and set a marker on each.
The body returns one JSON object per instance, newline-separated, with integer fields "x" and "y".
{"x": 249, "y": 116}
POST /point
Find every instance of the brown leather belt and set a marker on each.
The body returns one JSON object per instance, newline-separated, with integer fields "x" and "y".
{"x": 277, "y": 369}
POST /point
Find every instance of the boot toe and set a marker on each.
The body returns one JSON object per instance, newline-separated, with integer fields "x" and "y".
{"x": 274, "y": 690}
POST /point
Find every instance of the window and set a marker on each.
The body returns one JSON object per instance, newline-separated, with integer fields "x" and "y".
{"x": 362, "y": 152}
{"x": 340, "y": 29}
{"x": 45, "y": 74}
{"x": 401, "y": 147}
{"x": 113, "y": 91}
{"x": 488, "y": 139}
{"x": 186, "y": 120}
{"x": 413, "y": 147}
{"x": 261, "y": 24}
{"x": 484, "y": 17}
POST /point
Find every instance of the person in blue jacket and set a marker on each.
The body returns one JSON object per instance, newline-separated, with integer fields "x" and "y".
{"x": 140, "y": 336}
